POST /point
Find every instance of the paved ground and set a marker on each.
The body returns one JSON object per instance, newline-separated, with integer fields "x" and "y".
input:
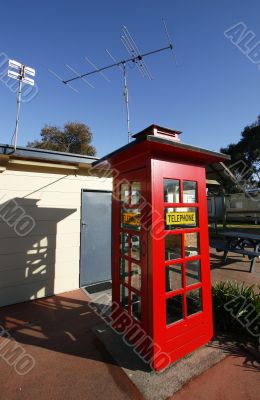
{"x": 236, "y": 269}
{"x": 160, "y": 386}
{"x": 71, "y": 362}
{"x": 234, "y": 378}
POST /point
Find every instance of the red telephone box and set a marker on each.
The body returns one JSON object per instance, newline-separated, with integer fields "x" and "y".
{"x": 160, "y": 253}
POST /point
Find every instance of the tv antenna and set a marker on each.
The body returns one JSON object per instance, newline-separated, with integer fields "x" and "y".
{"x": 136, "y": 57}
{"x": 19, "y": 72}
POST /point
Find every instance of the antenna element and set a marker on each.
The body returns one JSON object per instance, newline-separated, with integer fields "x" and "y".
{"x": 135, "y": 57}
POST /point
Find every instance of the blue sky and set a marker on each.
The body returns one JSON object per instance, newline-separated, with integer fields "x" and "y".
{"x": 210, "y": 95}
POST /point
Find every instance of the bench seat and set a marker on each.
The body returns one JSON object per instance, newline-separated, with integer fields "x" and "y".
{"x": 220, "y": 245}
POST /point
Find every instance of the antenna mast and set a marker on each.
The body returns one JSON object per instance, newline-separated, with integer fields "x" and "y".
{"x": 135, "y": 57}
{"x": 22, "y": 77}
{"x": 127, "y": 104}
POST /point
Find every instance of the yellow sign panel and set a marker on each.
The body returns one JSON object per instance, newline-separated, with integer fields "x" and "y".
{"x": 181, "y": 218}
{"x": 131, "y": 219}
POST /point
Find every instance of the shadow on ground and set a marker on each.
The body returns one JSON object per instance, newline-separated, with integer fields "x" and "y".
{"x": 235, "y": 347}
{"x": 59, "y": 323}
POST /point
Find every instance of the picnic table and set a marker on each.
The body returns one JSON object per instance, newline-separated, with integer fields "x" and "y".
{"x": 247, "y": 244}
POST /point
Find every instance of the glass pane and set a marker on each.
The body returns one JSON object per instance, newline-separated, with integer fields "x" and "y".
{"x": 191, "y": 243}
{"x": 189, "y": 192}
{"x": 135, "y": 247}
{"x": 181, "y": 217}
{"x": 172, "y": 247}
{"x": 135, "y": 193}
{"x": 136, "y": 306}
{"x": 174, "y": 309}
{"x": 124, "y": 297}
{"x": 173, "y": 277}
{"x": 194, "y": 303}
{"x": 131, "y": 218}
{"x": 171, "y": 191}
{"x": 192, "y": 272}
{"x": 124, "y": 193}
{"x": 136, "y": 276}
{"x": 124, "y": 268}
{"x": 124, "y": 243}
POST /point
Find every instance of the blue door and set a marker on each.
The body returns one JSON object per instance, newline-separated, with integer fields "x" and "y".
{"x": 95, "y": 260}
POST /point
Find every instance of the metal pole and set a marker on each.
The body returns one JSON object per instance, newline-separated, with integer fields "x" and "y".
{"x": 127, "y": 103}
{"x": 224, "y": 207}
{"x": 215, "y": 214}
{"x": 18, "y": 107}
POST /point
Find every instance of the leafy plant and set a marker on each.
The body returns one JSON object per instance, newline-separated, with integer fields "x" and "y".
{"x": 228, "y": 319}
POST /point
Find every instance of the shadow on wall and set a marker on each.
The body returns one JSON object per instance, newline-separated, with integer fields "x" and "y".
{"x": 27, "y": 249}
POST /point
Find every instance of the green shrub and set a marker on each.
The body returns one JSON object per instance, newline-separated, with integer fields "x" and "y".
{"x": 241, "y": 301}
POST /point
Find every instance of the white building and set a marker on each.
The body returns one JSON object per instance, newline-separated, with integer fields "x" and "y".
{"x": 41, "y": 228}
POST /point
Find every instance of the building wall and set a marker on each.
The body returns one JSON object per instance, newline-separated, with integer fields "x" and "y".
{"x": 40, "y": 255}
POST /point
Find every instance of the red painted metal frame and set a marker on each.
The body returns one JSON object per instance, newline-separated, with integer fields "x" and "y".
{"x": 134, "y": 176}
{"x": 150, "y": 163}
{"x": 183, "y": 336}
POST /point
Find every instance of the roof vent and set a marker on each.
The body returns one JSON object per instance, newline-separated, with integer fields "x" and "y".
{"x": 159, "y": 131}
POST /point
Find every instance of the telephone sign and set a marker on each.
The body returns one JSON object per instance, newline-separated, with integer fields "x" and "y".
{"x": 183, "y": 218}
